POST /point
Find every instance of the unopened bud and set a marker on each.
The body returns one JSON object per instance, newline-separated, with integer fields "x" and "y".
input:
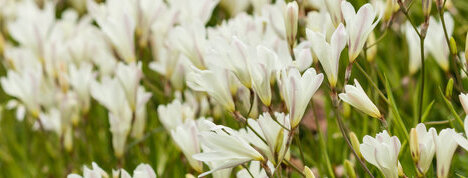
{"x": 2, "y": 44}
{"x": 279, "y": 141}
{"x": 426, "y": 7}
{"x": 349, "y": 168}
{"x": 291, "y": 14}
{"x": 372, "y": 50}
{"x": 466, "y": 48}
{"x": 414, "y": 145}
{"x": 355, "y": 144}
{"x": 449, "y": 88}
{"x": 308, "y": 173}
{"x": 453, "y": 46}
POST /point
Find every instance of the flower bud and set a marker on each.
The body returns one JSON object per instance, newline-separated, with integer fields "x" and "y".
{"x": 426, "y": 7}
{"x": 308, "y": 173}
{"x": 355, "y": 144}
{"x": 291, "y": 14}
{"x": 349, "y": 168}
{"x": 414, "y": 145}
{"x": 371, "y": 51}
{"x": 453, "y": 46}
{"x": 449, "y": 88}
{"x": 2, "y": 44}
{"x": 466, "y": 47}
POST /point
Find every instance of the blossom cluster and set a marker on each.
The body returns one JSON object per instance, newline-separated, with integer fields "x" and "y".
{"x": 258, "y": 63}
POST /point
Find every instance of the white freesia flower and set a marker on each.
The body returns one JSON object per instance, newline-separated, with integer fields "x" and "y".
{"x": 129, "y": 76}
{"x": 139, "y": 122}
{"x": 33, "y": 25}
{"x": 226, "y": 146}
{"x": 174, "y": 114}
{"x": 80, "y": 79}
{"x": 117, "y": 21}
{"x": 186, "y": 137}
{"x": 382, "y": 152}
{"x": 445, "y": 145}
{"x": 414, "y": 47}
{"x": 359, "y": 26}
{"x": 213, "y": 82}
{"x": 261, "y": 71}
{"x": 291, "y": 14}
{"x": 274, "y": 134}
{"x": 463, "y": 141}
{"x": 189, "y": 10}
{"x": 435, "y": 42}
{"x": 141, "y": 171}
{"x": 422, "y": 147}
{"x": 111, "y": 94}
{"x": 298, "y": 90}
{"x": 94, "y": 172}
{"x": 329, "y": 53}
{"x": 190, "y": 40}
{"x": 320, "y": 22}
{"x": 26, "y": 87}
{"x": 357, "y": 97}
{"x": 334, "y": 9}
{"x": 464, "y": 101}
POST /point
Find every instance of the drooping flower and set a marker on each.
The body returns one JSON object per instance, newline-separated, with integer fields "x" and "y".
{"x": 422, "y": 147}
{"x": 382, "y": 152}
{"x": 359, "y": 26}
{"x": 414, "y": 47}
{"x": 357, "y": 97}
{"x": 435, "y": 42}
{"x": 298, "y": 90}
{"x": 329, "y": 53}
{"x": 445, "y": 145}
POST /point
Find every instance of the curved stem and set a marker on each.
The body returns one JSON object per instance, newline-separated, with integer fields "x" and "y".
{"x": 344, "y": 132}
{"x": 323, "y": 147}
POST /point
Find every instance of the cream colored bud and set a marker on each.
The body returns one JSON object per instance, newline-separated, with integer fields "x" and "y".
{"x": 349, "y": 168}
{"x": 414, "y": 145}
{"x": 355, "y": 143}
{"x": 308, "y": 173}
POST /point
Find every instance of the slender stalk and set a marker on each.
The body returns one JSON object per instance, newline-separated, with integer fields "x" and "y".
{"x": 299, "y": 145}
{"x": 373, "y": 83}
{"x": 423, "y": 69}
{"x": 454, "y": 60}
{"x": 248, "y": 170}
{"x": 322, "y": 143}
{"x": 344, "y": 132}
{"x": 294, "y": 167}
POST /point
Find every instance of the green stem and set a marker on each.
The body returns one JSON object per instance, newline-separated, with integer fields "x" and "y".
{"x": 423, "y": 68}
{"x": 372, "y": 82}
{"x": 344, "y": 132}
{"x": 323, "y": 147}
{"x": 298, "y": 140}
